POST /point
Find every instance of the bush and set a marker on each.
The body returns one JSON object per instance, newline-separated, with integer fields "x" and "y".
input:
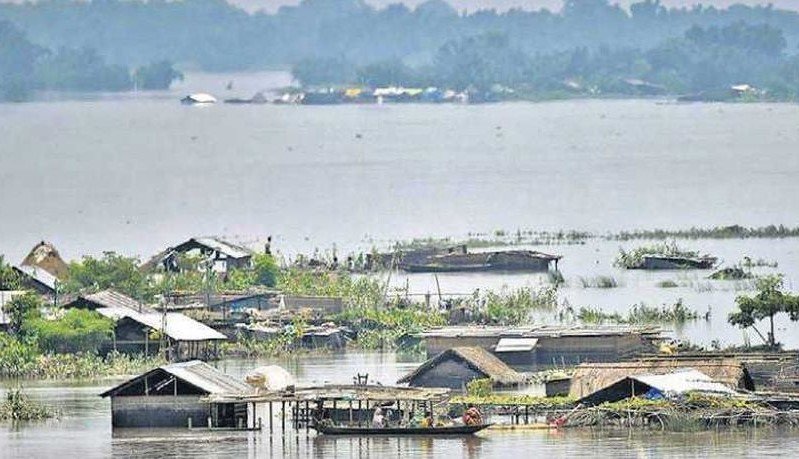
{"x": 266, "y": 269}
{"x": 77, "y": 331}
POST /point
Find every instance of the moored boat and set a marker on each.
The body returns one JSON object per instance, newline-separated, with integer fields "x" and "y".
{"x": 428, "y": 431}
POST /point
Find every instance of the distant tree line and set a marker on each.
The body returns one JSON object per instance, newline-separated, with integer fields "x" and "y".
{"x": 325, "y": 41}
{"x": 25, "y": 67}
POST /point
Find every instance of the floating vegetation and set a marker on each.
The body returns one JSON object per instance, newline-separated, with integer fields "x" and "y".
{"x": 17, "y": 406}
{"x": 514, "y": 307}
{"x": 599, "y": 282}
{"x": 635, "y": 258}
{"x": 506, "y": 399}
{"x": 748, "y": 262}
{"x": 640, "y": 313}
{"x": 691, "y": 412}
{"x": 718, "y": 232}
{"x": 734, "y": 273}
{"x": 668, "y": 284}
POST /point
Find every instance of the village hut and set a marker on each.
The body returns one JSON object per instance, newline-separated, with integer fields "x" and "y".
{"x": 45, "y": 256}
{"x": 589, "y": 378}
{"x": 141, "y": 329}
{"x": 37, "y": 279}
{"x": 224, "y": 255}
{"x": 456, "y": 367}
{"x": 659, "y": 386}
{"x": 176, "y": 395}
{"x": 537, "y": 347}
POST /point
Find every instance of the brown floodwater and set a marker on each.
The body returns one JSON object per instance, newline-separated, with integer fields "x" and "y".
{"x": 84, "y": 429}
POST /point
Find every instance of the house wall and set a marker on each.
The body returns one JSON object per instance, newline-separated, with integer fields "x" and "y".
{"x": 448, "y": 373}
{"x": 159, "y": 411}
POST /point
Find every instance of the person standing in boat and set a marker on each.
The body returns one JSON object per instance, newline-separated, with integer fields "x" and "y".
{"x": 378, "y": 420}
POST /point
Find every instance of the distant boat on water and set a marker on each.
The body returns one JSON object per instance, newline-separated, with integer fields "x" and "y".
{"x": 198, "y": 98}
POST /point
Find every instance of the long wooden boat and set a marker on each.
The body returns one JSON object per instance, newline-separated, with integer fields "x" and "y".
{"x": 443, "y": 430}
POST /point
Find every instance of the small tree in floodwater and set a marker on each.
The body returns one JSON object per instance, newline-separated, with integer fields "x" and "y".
{"x": 769, "y": 301}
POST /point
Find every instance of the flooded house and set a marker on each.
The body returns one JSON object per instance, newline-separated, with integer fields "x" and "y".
{"x": 38, "y": 280}
{"x": 177, "y": 395}
{"x": 659, "y": 386}
{"x": 534, "y": 347}
{"x": 223, "y": 255}
{"x": 456, "y": 367}
{"x": 459, "y": 259}
{"x": 589, "y": 378}
{"x": 656, "y": 262}
{"x": 141, "y": 329}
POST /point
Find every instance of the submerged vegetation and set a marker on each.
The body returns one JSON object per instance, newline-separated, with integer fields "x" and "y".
{"x": 18, "y": 406}
{"x": 599, "y": 282}
{"x": 640, "y": 313}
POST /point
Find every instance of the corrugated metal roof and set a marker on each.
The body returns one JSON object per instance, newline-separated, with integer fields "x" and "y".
{"x": 198, "y": 374}
{"x": 208, "y": 378}
{"x": 222, "y": 246}
{"x": 113, "y": 299}
{"x": 38, "y": 274}
{"x": 516, "y": 344}
{"x": 537, "y": 331}
{"x": 175, "y": 325}
{"x": 682, "y": 381}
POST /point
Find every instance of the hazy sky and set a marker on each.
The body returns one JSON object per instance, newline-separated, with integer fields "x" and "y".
{"x": 271, "y": 5}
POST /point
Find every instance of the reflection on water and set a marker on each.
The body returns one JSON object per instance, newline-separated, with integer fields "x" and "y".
{"x": 84, "y": 430}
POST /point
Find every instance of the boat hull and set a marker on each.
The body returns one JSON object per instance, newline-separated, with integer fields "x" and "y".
{"x": 394, "y": 431}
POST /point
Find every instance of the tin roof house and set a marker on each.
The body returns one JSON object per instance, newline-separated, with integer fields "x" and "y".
{"x": 224, "y": 255}
{"x": 141, "y": 329}
{"x": 176, "y": 395}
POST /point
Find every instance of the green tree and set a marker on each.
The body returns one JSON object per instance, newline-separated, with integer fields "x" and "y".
{"x": 77, "y": 331}
{"x": 266, "y": 269}
{"x": 17, "y": 56}
{"x": 157, "y": 75}
{"x": 111, "y": 271}
{"x": 9, "y": 279}
{"x": 769, "y": 301}
{"x": 22, "y": 309}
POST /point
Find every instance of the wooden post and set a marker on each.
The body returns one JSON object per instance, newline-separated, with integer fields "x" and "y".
{"x": 283, "y": 417}
{"x": 526, "y": 414}
{"x": 270, "y": 418}
{"x": 360, "y": 413}
{"x": 307, "y": 418}
{"x": 350, "y": 411}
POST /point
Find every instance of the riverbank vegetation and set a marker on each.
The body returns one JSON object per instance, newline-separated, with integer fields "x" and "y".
{"x": 26, "y": 67}
{"x": 590, "y": 48}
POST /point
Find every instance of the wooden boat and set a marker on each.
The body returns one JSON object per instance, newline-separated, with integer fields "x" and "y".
{"x": 428, "y": 431}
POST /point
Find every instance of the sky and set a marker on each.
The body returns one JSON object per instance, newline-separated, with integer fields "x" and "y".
{"x": 471, "y": 5}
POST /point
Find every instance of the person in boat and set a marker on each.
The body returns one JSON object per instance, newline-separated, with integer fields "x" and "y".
{"x": 378, "y": 420}
{"x": 427, "y": 421}
{"x": 472, "y": 416}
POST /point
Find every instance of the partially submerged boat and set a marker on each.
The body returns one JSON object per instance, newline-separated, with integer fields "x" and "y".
{"x": 394, "y": 431}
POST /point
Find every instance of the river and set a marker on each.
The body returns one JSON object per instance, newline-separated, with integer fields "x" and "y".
{"x": 84, "y": 430}
{"x": 137, "y": 172}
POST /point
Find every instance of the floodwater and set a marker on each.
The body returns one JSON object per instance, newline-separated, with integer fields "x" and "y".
{"x": 84, "y": 430}
{"x": 137, "y": 172}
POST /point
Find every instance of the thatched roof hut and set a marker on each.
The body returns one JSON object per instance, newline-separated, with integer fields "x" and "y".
{"x": 45, "y": 256}
{"x": 456, "y": 367}
{"x": 591, "y": 377}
